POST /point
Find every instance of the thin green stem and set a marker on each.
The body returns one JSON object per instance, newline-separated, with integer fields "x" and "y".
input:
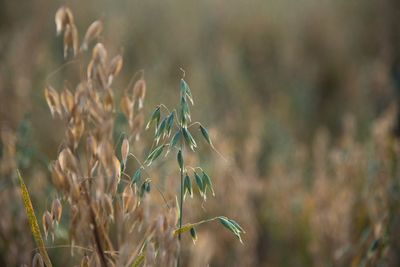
{"x": 181, "y": 202}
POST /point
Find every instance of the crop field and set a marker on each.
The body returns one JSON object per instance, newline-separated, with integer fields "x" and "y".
{"x": 200, "y": 133}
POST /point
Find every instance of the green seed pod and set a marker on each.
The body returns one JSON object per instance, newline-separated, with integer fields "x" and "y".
{"x": 155, "y": 116}
{"x": 154, "y": 154}
{"x": 199, "y": 183}
{"x": 205, "y": 134}
{"x": 137, "y": 176}
{"x": 189, "y": 138}
{"x": 187, "y": 186}
{"x": 170, "y": 123}
{"x": 207, "y": 183}
{"x": 180, "y": 159}
{"x": 176, "y": 138}
{"x": 193, "y": 234}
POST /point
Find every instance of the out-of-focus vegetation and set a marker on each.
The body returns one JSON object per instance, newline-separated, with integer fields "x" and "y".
{"x": 301, "y": 98}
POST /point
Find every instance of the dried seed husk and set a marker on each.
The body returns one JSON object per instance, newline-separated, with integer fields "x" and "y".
{"x": 128, "y": 199}
{"x": 139, "y": 92}
{"x": 94, "y": 31}
{"x": 124, "y": 150}
{"x": 47, "y": 222}
{"x": 114, "y": 68}
{"x": 71, "y": 39}
{"x": 56, "y": 210}
{"x": 62, "y": 18}
{"x": 99, "y": 54}
{"x": 53, "y": 101}
{"x": 37, "y": 260}
{"x": 127, "y": 107}
{"x": 108, "y": 101}
{"x": 67, "y": 101}
{"x": 137, "y": 125}
{"x": 67, "y": 161}
{"x": 85, "y": 261}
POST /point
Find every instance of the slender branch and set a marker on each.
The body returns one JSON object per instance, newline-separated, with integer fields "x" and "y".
{"x": 181, "y": 203}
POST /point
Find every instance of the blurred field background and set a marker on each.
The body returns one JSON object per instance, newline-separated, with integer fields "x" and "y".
{"x": 300, "y": 96}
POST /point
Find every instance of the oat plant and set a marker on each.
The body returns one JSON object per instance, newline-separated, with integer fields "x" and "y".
{"x": 173, "y": 133}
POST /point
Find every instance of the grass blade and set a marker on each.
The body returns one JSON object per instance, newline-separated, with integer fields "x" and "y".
{"x": 30, "y": 213}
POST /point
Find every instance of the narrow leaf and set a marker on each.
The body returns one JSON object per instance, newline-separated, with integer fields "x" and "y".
{"x": 139, "y": 260}
{"x": 33, "y": 221}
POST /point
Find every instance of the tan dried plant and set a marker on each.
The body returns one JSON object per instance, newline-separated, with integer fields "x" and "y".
{"x": 113, "y": 219}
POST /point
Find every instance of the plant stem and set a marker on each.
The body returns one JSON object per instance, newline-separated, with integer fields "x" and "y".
{"x": 181, "y": 202}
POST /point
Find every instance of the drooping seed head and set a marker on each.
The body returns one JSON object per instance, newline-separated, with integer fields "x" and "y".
{"x": 71, "y": 40}
{"x": 99, "y": 54}
{"x": 94, "y": 31}
{"x": 56, "y": 210}
{"x": 37, "y": 261}
{"x": 85, "y": 261}
{"x": 63, "y": 17}
{"x": 124, "y": 150}
{"x": 139, "y": 92}
{"x": 114, "y": 68}
{"x": 128, "y": 199}
{"x": 47, "y": 222}
{"x": 53, "y": 101}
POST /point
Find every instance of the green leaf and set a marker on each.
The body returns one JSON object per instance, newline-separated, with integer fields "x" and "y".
{"x": 139, "y": 260}
{"x": 33, "y": 221}
{"x": 180, "y": 159}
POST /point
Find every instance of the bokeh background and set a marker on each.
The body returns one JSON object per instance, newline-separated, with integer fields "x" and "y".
{"x": 300, "y": 97}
